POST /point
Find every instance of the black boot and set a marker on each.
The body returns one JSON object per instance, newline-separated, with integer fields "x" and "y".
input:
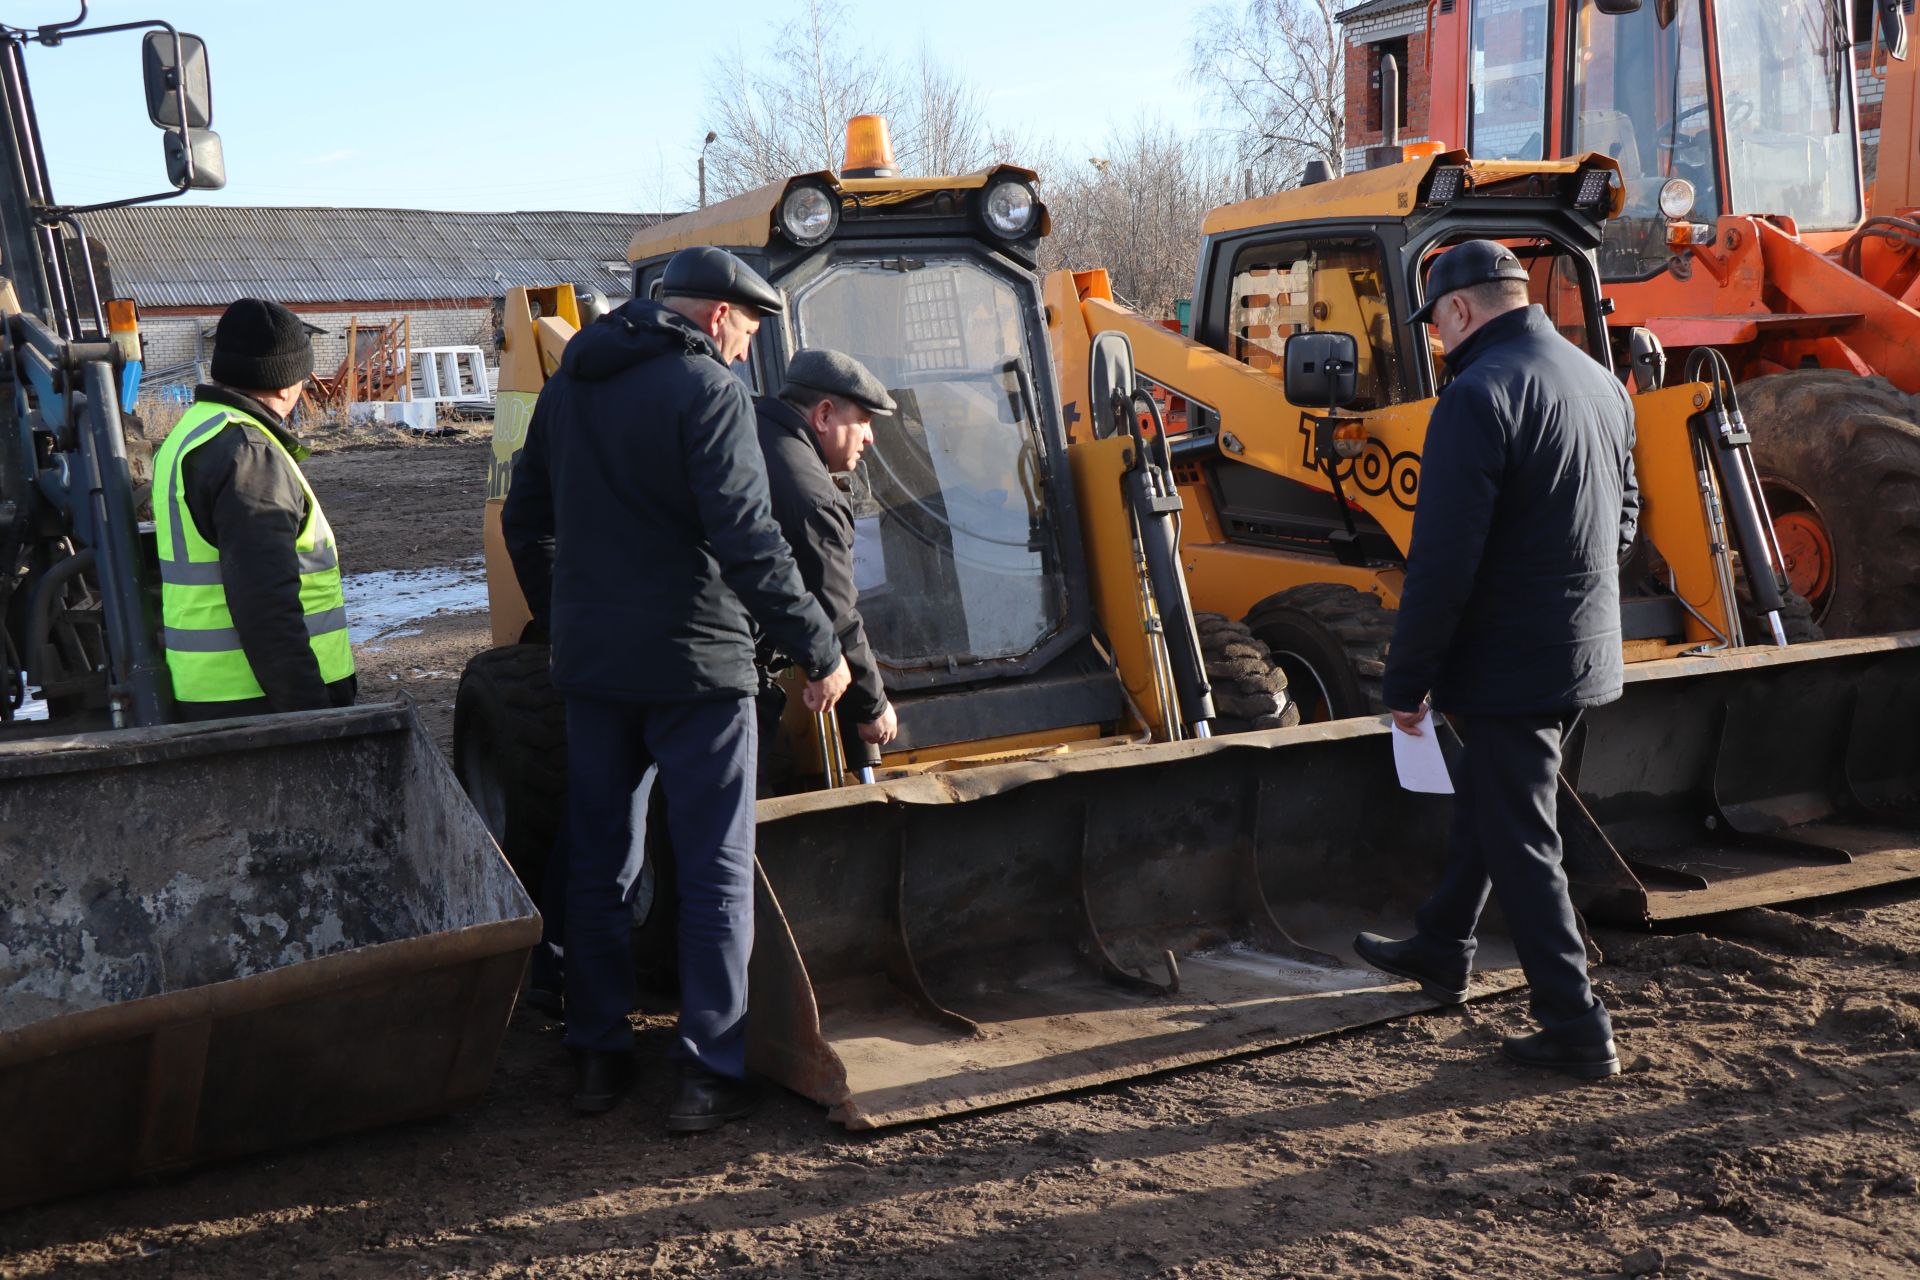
{"x": 1406, "y": 959}
{"x": 602, "y": 1079}
{"x": 1550, "y": 1052}
{"x": 548, "y": 1001}
{"x": 707, "y": 1100}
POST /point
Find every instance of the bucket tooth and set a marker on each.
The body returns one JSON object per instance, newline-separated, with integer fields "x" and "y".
{"x": 1110, "y": 968}
{"x": 901, "y": 966}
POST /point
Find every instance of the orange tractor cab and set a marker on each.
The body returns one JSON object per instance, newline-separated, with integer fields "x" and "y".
{"x": 1747, "y": 229}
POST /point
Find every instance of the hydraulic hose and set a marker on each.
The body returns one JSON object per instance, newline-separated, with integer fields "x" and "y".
{"x": 1729, "y": 441}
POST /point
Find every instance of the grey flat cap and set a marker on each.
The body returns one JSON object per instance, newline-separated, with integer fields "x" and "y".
{"x": 835, "y": 373}
{"x": 706, "y": 272}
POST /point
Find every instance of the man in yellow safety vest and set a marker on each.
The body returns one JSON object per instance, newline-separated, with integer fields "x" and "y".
{"x": 253, "y": 619}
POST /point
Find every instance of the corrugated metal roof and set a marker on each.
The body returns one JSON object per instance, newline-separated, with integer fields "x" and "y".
{"x": 174, "y": 255}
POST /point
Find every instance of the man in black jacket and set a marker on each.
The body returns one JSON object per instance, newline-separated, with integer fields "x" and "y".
{"x": 1510, "y": 621}
{"x": 819, "y": 425}
{"x": 640, "y": 531}
{"x": 254, "y": 619}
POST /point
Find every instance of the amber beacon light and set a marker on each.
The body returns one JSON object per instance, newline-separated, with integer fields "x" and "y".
{"x": 869, "y": 149}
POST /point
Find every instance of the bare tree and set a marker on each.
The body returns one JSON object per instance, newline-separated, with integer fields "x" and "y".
{"x": 1277, "y": 71}
{"x": 787, "y": 112}
{"x": 944, "y": 129}
{"x": 1136, "y": 211}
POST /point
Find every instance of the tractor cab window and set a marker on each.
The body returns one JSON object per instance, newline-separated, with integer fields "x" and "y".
{"x": 1299, "y": 286}
{"x": 1560, "y": 282}
{"x": 1509, "y": 80}
{"x": 1786, "y": 76}
{"x": 957, "y": 555}
{"x": 1640, "y": 96}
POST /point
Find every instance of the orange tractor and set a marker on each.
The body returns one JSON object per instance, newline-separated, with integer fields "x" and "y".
{"x": 1747, "y": 229}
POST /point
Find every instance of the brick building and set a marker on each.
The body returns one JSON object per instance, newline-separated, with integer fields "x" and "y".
{"x": 1374, "y": 30}
{"x": 1399, "y": 27}
{"x": 446, "y": 272}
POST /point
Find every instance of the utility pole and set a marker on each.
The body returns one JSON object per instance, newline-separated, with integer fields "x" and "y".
{"x": 711, "y": 136}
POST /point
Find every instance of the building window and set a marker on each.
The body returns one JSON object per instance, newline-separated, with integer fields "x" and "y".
{"x": 1377, "y": 55}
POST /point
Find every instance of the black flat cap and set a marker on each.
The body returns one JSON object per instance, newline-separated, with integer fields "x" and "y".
{"x": 837, "y": 374}
{"x": 706, "y": 272}
{"x": 1468, "y": 263}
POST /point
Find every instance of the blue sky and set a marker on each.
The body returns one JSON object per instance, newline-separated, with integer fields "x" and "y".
{"x": 544, "y": 105}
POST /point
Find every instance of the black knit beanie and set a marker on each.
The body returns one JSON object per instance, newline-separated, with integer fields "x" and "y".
{"x": 260, "y": 346}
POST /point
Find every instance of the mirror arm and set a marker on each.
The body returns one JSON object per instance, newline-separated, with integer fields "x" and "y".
{"x": 62, "y": 212}
{"x": 180, "y": 95}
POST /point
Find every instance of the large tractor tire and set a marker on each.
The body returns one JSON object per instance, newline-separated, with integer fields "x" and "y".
{"x": 510, "y": 753}
{"x": 1249, "y": 690}
{"x": 1331, "y": 640}
{"x": 1839, "y": 461}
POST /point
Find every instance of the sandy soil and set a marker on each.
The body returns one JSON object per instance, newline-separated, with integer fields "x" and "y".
{"x": 1768, "y": 1124}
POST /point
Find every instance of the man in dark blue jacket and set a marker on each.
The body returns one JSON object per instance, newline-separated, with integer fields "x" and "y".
{"x": 640, "y": 529}
{"x": 1510, "y": 623}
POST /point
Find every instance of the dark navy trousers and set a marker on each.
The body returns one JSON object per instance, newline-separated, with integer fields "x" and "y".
{"x": 1505, "y": 838}
{"x": 706, "y": 755}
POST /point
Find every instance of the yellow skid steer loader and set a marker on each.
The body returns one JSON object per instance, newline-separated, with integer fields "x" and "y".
{"x": 1737, "y": 770}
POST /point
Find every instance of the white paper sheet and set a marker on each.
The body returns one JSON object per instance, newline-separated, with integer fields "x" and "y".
{"x": 1419, "y": 762}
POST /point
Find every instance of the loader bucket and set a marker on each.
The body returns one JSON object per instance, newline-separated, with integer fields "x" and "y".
{"x": 957, "y": 940}
{"x": 1758, "y": 776}
{"x": 216, "y": 939}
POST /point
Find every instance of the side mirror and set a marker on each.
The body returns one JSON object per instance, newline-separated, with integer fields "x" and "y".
{"x": 1110, "y": 385}
{"x": 209, "y": 162}
{"x": 1323, "y": 369}
{"x": 1617, "y": 8}
{"x": 167, "y": 70}
{"x": 1648, "y": 358}
{"x": 1893, "y": 27}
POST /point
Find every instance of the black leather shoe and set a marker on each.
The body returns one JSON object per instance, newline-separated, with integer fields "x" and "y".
{"x": 706, "y": 1101}
{"x": 602, "y": 1080}
{"x": 1402, "y": 959}
{"x": 547, "y": 1001}
{"x": 1546, "y": 1050}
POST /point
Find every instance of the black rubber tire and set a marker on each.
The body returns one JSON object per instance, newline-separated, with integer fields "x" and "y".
{"x": 510, "y": 753}
{"x": 1249, "y": 691}
{"x": 1331, "y": 640}
{"x": 1848, "y": 448}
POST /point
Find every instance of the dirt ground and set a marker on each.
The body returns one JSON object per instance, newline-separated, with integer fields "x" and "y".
{"x": 1768, "y": 1124}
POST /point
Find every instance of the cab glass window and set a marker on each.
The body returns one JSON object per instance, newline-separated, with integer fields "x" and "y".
{"x": 1297, "y": 287}
{"x": 1640, "y": 96}
{"x": 1509, "y": 80}
{"x": 956, "y": 552}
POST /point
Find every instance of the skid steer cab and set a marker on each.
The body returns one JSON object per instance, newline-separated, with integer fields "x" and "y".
{"x": 1305, "y": 392}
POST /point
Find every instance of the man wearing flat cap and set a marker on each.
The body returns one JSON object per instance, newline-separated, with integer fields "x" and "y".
{"x": 252, "y": 615}
{"x": 1509, "y": 623}
{"x": 816, "y": 428}
{"x": 642, "y": 535}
